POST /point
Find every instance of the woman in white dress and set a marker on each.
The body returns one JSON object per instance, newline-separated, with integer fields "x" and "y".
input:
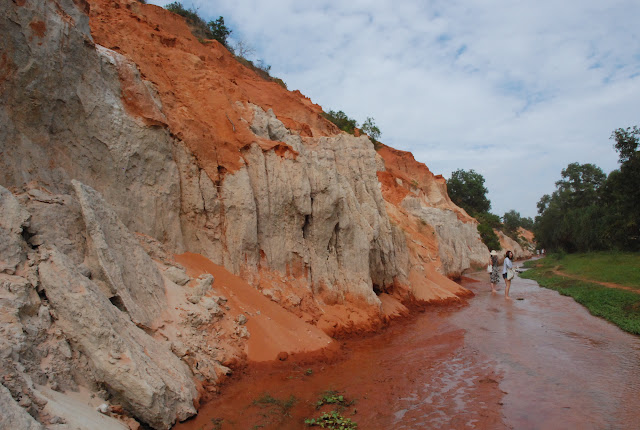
{"x": 507, "y": 273}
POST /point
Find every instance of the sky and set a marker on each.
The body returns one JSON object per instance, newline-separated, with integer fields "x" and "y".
{"x": 515, "y": 90}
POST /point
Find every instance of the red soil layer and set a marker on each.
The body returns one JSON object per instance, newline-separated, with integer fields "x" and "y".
{"x": 527, "y": 234}
{"x": 414, "y": 177}
{"x": 198, "y": 84}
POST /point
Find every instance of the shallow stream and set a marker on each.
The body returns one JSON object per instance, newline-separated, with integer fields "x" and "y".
{"x": 539, "y": 361}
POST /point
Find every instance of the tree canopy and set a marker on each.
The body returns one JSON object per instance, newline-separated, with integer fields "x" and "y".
{"x": 626, "y": 142}
{"x": 590, "y": 210}
{"x": 369, "y": 127}
{"x": 219, "y": 31}
{"x": 512, "y": 221}
{"x": 466, "y": 189}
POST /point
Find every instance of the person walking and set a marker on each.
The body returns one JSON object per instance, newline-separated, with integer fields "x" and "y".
{"x": 494, "y": 277}
{"x": 507, "y": 273}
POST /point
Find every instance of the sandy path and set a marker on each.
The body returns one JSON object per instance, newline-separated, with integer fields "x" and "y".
{"x": 604, "y": 284}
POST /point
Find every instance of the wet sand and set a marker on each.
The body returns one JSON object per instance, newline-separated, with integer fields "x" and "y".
{"x": 538, "y": 363}
{"x": 563, "y": 368}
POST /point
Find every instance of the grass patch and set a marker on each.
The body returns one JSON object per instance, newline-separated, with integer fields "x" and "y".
{"x": 273, "y": 411}
{"x": 279, "y": 405}
{"x": 621, "y": 307}
{"x": 617, "y": 267}
{"x": 333, "y": 419}
{"x": 332, "y": 397}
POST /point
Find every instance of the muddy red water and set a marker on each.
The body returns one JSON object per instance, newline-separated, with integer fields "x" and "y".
{"x": 542, "y": 362}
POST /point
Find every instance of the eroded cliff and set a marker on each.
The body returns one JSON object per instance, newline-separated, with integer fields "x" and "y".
{"x": 165, "y": 211}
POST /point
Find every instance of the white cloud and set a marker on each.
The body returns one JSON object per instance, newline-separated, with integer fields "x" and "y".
{"x": 515, "y": 90}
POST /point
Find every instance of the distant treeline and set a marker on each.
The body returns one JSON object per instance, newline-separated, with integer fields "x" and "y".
{"x": 466, "y": 189}
{"x": 591, "y": 211}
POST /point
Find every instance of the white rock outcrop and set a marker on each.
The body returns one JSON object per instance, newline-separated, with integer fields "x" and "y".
{"x": 116, "y": 257}
{"x": 13, "y": 219}
{"x": 318, "y": 215}
{"x": 459, "y": 243}
{"x": 13, "y": 416}
{"x": 138, "y": 370}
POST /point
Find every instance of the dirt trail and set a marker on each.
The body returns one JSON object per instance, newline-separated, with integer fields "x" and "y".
{"x": 604, "y": 284}
{"x": 540, "y": 361}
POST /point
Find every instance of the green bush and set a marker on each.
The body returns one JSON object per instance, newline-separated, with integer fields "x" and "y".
{"x": 261, "y": 70}
{"x": 369, "y": 126}
{"x": 341, "y": 119}
{"x": 199, "y": 28}
{"x": 489, "y": 237}
{"x": 332, "y": 420}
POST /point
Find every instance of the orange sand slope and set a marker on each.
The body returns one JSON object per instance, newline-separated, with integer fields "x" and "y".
{"x": 273, "y": 330}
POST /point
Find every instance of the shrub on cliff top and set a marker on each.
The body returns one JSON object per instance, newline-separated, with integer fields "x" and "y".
{"x": 349, "y": 125}
{"x": 199, "y": 27}
{"x": 341, "y": 119}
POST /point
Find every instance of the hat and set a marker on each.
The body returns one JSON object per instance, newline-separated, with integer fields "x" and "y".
{"x": 494, "y": 252}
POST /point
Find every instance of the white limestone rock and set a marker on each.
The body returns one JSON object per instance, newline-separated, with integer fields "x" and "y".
{"x": 13, "y": 416}
{"x": 138, "y": 370}
{"x": 13, "y": 219}
{"x": 177, "y": 275}
{"x": 119, "y": 260}
{"x": 459, "y": 244}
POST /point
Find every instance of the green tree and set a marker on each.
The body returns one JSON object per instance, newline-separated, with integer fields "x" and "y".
{"x": 489, "y": 237}
{"x": 626, "y": 142}
{"x": 490, "y": 219}
{"x": 571, "y": 219}
{"x": 219, "y": 31}
{"x": 199, "y": 28}
{"x": 487, "y": 222}
{"x": 369, "y": 127}
{"x": 511, "y": 221}
{"x": 580, "y": 183}
{"x": 621, "y": 192}
{"x": 466, "y": 189}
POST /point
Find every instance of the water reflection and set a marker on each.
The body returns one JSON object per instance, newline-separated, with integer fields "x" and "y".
{"x": 562, "y": 367}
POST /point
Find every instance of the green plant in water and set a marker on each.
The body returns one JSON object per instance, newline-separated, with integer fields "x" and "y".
{"x": 332, "y": 397}
{"x": 332, "y": 420}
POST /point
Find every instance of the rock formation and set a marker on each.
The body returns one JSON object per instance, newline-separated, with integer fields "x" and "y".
{"x": 161, "y": 204}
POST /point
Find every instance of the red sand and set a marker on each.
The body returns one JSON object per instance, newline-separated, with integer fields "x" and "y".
{"x": 273, "y": 330}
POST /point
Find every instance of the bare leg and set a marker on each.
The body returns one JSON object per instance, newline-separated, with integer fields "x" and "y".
{"x": 493, "y": 287}
{"x": 506, "y": 289}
